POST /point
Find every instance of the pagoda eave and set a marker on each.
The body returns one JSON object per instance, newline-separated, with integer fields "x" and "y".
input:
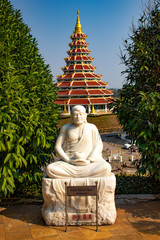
{"x": 78, "y": 35}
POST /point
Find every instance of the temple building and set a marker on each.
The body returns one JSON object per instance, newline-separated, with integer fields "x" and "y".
{"x": 79, "y": 84}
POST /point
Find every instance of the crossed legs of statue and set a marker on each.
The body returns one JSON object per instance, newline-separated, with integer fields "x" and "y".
{"x": 61, "y": 169}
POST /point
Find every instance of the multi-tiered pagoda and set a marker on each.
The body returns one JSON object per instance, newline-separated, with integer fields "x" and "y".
{"x": 79, "y": 84}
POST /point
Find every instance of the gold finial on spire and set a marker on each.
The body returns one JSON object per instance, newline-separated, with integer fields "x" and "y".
{"x": 78, "y": 27}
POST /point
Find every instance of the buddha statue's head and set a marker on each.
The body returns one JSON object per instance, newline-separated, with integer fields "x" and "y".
{"x": 78, "y": 115}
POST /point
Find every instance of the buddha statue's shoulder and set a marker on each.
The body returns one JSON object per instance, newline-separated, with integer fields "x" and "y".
{"x": 68, "y": 125}
{"x": 91, "y": 126}
{"x": 65, "y": 127}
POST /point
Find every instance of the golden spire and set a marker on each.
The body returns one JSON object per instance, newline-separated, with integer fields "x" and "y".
{"x": 78, "y": 27}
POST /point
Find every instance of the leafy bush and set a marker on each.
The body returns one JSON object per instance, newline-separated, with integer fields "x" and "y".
{"x": 126, "y": 184}
{"x": 134, "y": 184}
{"x": 139, "y": 102}
{"x": 28, "y": 115}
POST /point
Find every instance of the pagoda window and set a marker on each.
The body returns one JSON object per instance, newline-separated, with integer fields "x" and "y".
{"x": 99, "y": 107}
{"x": 62, "y": 97}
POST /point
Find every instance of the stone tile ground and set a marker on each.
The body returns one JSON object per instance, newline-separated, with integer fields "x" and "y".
{"x": 138, "y": 221}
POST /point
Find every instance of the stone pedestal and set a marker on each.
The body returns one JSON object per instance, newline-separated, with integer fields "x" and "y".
{"x": 81, "y": 210}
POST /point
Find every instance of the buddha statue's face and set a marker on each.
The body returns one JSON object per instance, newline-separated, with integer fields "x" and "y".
{"x": 79, "y": 115}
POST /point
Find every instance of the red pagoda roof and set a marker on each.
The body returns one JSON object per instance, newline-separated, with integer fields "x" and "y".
{"x": 107, "y": 92}
{"x": 79, "y": 75}
{"x": 64, "y": 84}
{"x": 83, "y": 101}
{"x": 86, "y": 58}
{"x": 98, "y": 100}
{"x": 79, "y": 101}
{"x": 103, "y": 83}
{"x": 79, "y": 50}
{"x": 77, "y": 42}
{"x": 68, "y": 76}
{"x": 85, "y": 84}
{"x": 71, "y": 67}
{"x": 78, "y": 67}
{"x": 79, "y": 58}
{"x": 95, "y": 92}
{"x": 92, "y": 75}
{"x": 61, "y": 93}
{"x": 78, "y": 92}
{"x": 78, "y": 35}
{"x": 92, "y": 83}
{"x": 78, "y": 83}
{"x": 85, "y": 67}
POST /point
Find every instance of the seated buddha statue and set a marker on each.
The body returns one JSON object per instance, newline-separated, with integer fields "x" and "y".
{"x": 83, "y": 155}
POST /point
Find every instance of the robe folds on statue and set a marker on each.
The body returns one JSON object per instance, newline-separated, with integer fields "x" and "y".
{"x": 54, "y": 189}
{"x": 90, "y": 145}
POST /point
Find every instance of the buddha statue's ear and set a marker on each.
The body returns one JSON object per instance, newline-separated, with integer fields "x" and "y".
{"x": 85, "y": 118}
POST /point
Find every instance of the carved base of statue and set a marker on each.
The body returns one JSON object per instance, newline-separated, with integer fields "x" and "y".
{"x": 81, "y": 210}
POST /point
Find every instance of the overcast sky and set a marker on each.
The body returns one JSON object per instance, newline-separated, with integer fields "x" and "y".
{"x": 105, "y": 22}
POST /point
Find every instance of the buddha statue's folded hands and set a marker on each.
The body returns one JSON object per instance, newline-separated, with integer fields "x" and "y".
{"x": 79, "y": 159}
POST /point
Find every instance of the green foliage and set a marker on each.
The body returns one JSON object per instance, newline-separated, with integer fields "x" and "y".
{"x": 138, "y": 107}
{"x": 28, "y": 115}
{"x": 125, "y": 184}
{"x": 133, "y": 184}
{"x": 29, "y": 189}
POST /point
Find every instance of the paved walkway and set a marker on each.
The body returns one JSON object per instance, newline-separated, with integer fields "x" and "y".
{"x": 138, "y": 221}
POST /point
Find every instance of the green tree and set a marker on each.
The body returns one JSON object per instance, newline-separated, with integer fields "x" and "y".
{"x": 138, "y": 108}
{"x": 28, "y": 115}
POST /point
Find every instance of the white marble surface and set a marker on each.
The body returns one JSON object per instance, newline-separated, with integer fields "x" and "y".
{"x": 54, "y": 205}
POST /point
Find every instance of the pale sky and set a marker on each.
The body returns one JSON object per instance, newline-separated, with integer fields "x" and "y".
{"x": 105, "y": 22}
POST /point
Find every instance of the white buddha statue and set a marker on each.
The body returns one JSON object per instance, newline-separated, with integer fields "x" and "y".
{"x": 83, "y": 155}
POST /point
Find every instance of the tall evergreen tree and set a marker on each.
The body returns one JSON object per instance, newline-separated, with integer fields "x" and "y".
{"x": 138, "y": 108}
{"x": 28, "y": 115}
